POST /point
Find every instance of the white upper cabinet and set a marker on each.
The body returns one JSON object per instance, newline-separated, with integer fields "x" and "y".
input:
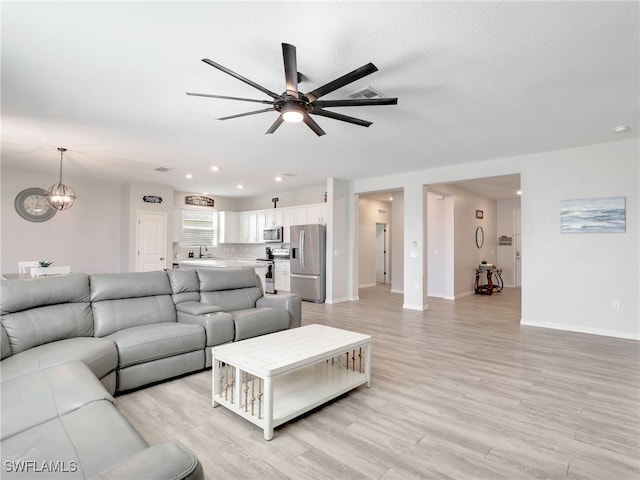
{"x": 247, "y": 227}
{"x": 317, "y": 213}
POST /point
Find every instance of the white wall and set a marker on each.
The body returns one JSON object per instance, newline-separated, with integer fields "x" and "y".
{"x": 576, "y": 263}
{"x": 85, "y": 237}
{"x": 288, "y": 198}
{"x": 369, "y": 214}
{"x": 340, "y": 240}
{"x": 397, "y": 243}
{"x": 570, "y": 280}
{"x": 436, "y": 246}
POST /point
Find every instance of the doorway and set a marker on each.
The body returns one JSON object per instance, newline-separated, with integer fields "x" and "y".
{"x": 151, "y": 241}
{"x": 381, "y": 253}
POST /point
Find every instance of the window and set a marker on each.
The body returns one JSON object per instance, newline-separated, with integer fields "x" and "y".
{"x": 199, "y": 228}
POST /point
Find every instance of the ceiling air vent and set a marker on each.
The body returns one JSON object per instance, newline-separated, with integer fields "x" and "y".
{"x": 162, "y": 169}
{"x": 366, "y": 93}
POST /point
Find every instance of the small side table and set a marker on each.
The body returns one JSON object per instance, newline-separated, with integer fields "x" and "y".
{"x": 490, "y": 286}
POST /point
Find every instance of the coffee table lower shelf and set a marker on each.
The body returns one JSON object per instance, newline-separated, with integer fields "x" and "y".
{"x": 292, "y": 393}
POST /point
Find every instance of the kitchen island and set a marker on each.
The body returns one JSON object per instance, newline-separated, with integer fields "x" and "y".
{"x": 197, "y": 263}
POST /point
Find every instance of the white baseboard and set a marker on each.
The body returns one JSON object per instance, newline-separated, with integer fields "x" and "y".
{"x": 340, "y": 300}
{"x": 581, "y": 329}
{"x": 367, "y": 285}
{"x": 397, "y": 291}
{"x": 415, "y": 307}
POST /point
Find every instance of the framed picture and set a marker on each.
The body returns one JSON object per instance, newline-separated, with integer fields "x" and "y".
{"x": 593, "y": 215}
{"x": 479, "y": 214}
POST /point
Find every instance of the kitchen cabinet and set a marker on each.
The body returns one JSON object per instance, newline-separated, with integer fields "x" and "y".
{"x": 228, "y": 227}
{"x": 282, "y": 275}
{"x": 288, "y": 217}
{"x": 317, "y": 213}
{"x": 274, "y": 218}
{"x": 247, "y": 227}
{"x": 300, "y": 216}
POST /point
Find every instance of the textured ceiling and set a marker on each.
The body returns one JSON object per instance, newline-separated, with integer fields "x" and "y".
{"x": 475, "y": 81}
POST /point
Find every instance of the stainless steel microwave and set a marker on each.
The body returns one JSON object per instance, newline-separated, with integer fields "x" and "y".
{"x": 273, "y": 234}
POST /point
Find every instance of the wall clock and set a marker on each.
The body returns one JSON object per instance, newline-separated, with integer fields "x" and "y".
{"x": 479, "y": 237}
{"x": 31, "y": 205}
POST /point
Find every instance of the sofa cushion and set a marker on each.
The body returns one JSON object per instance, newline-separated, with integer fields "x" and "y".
{"x": 5, "y": 347}
{"x": 110, "y": 316}
{"x": 212, "y": 280}
{"x": 40, "y": 325}
{"x": 113, "y": 286}
{"x": 99, "y": 354}
{"x": 259, "y": 321}
{"x": 39, "y": 396}
{"x": 83, "y": 442}
{"x": 19, "y": 295}
{"x": 151, "y": 342}
{"x": 184, "y": 285}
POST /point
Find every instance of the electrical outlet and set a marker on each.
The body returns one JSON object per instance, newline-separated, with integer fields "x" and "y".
{"x": 615, "y": 304}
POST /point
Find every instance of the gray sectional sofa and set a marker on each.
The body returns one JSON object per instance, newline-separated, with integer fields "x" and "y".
{"x": 68, "y": 343}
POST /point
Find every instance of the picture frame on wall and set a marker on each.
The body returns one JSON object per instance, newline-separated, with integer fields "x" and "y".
{"x": 479, "y": 214}
{"x": 593, "y": 215}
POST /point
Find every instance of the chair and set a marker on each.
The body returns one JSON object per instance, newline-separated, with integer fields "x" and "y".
{"x": 25, "y": 267}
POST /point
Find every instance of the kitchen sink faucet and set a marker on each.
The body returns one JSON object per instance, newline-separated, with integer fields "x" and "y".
{"x": 200, "y": 255}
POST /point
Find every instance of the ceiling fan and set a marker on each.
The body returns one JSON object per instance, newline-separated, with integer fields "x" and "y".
{"x": 295, "y": 106}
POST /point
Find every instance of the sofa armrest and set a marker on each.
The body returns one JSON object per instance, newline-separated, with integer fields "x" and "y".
{"x": 197, "y": 308}
{"x": 170, "y": 460}
{"x": 292, "y": 302}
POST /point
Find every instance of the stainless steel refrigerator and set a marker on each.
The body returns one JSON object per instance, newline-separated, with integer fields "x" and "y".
{"x": 308, "y": 261}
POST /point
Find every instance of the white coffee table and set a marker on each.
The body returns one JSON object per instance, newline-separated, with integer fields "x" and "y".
{"x": 274, "y": 378}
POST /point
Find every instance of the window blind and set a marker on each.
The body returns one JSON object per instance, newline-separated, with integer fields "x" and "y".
{"x": 198, "y": 228}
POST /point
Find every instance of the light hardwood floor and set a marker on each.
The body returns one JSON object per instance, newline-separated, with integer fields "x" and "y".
{"x": 461, "y": 391}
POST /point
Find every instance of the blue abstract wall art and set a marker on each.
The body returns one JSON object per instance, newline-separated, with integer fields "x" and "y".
{"x": 593, "y": 215}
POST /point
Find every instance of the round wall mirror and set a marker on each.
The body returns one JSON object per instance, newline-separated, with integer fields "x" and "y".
{"x": 479, "y": 237}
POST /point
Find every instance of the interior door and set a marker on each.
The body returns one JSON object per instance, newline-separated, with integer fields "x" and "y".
{"x": 151, "y": 241}
{"x": 380, "y": 253}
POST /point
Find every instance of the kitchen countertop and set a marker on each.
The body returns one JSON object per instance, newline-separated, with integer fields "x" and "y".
{"x": 220, "y": 263}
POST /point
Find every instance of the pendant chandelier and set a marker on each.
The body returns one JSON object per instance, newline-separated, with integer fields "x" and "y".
{"x": 59, "y": 195}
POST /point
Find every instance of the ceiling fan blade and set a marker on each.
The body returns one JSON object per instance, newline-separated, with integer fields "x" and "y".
{"x": 275, "y": 124}
{"x": 355, "y": 102}
{"x": 242, "y": 79}
{"x": 343, "y": 118}
{"x": 268, "y": 102}
{"x": 246, "y": 113}
{"x": 290, "y": 69}
{"x": 311, "y": 123}
{"x": 350, "y": 77}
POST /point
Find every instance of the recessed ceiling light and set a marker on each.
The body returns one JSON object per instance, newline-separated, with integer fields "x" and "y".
{"x": 188, "y": 175}
{"x": 215, "y": 169}
{"x": 519, "y": 192}
{"x": 621, "y": 128}
{"x": 278, "y": 179}
{"x": 239, "y": 186}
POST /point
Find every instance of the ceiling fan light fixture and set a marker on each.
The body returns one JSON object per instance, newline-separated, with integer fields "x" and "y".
{"x": 292, "y": 115}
